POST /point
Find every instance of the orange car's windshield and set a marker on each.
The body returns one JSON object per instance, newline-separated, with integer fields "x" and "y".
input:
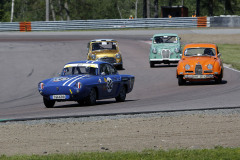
{"x": 199, "y": 52}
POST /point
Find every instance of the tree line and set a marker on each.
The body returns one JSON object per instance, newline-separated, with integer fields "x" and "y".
{"x": 35, "y": 10}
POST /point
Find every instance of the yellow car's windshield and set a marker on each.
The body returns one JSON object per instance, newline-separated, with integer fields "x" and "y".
{"x": 104, "y": 46}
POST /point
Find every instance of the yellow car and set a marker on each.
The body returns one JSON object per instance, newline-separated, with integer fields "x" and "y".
{"x": 106, "y": 50}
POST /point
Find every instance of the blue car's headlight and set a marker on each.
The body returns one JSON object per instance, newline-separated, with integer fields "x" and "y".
{"x": 41, "y": 85}
{"x": 78, "y": 85}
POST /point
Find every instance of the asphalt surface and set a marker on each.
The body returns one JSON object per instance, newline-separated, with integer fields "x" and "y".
{"x": 27, "y": 58}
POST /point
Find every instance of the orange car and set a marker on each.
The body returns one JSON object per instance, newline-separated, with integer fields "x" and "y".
{"x": 200, "y": 62}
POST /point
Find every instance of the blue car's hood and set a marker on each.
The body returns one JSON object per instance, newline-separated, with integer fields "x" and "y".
{"x": 65, "y": 80}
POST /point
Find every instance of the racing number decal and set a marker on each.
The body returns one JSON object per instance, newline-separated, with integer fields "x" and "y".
{"x": 109, "y": 84}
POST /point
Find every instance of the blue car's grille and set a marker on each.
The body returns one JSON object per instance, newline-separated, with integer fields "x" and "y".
{"x": 56, "y": 90}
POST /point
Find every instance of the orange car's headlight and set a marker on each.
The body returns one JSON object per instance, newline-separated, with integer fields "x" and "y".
{"x": 187, "y": 66}
{"x": 209, "y": 66}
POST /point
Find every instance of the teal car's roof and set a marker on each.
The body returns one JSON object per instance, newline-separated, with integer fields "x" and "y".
{"x": 165, "y": 34}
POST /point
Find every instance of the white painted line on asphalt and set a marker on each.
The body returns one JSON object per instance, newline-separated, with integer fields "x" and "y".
{"x": 225, "y": 66}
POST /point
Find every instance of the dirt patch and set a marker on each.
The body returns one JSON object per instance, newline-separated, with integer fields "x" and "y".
{"x": 137, "y": 134}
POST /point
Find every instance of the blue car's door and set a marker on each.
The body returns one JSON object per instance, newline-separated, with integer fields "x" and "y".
{"x": 111, "y": 81}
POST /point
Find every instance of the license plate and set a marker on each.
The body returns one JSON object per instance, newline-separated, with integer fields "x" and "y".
{"x": 199, "y": 76}
{"x": 59, "y": 96}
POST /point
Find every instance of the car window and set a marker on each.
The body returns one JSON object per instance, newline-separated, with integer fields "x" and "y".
{"x": 199, "y": 52}
{"x": 104, "y": 45}
{"x": 111, "y": 69}
{"x": 165, "y": 39}
{"x": 104, "y": 68}
{"x": 79, "y": 70}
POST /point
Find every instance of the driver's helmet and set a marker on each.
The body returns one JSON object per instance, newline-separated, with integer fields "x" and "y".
{"x": 95, "y": 46}
{"x": 208, "y": 51}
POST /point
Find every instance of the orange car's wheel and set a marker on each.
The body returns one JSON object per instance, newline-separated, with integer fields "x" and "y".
{"x": 218, "y": 80}
{"x": 181, "y": 81}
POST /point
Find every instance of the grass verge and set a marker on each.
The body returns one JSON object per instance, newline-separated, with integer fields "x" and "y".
{"x": 230, "y": 54}
{"x": 218, "y": 153}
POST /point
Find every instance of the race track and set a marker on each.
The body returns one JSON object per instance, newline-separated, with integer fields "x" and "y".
{"x": 27, "y": 58}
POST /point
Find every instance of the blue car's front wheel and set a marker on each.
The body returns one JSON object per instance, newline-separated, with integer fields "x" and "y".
{"x": 48, "y": 103}
{"x": 91, "y": 98}
{"x": 122, "y": 95}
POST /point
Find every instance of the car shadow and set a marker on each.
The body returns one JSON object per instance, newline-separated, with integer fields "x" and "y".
{"x": 120, "y": 69}
{"x": 98, "y": 103}
{"x": 204, "y": 83}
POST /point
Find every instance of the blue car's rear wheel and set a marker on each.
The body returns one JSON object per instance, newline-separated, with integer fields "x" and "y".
{"x": 91, "y": 98}
{"x": 48, "y": 103}
{"x": 122, "y": 95}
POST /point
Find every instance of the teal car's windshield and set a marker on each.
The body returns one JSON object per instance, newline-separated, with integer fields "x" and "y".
{"x": 199, "y": 52}
{"x": 165, "y": 39}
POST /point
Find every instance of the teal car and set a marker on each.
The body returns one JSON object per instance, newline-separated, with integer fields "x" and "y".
{"x": 165, "y": 48}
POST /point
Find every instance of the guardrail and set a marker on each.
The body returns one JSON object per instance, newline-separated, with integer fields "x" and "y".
{"x": 176, "y": 22}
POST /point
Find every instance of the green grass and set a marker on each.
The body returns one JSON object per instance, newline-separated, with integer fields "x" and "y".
{"x": 230, "y": 54}
{"x": 218, "y": 153}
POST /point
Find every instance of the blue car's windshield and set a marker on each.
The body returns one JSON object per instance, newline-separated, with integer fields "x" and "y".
{"x": 79, "y": 70}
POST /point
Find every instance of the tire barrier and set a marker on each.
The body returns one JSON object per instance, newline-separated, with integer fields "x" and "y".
{"x": 201, "y": 21}
{"x": 25, "y": 26}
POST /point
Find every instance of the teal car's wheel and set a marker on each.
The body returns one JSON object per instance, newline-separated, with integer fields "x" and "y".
{"x": 181, "y": 81}
{"x": 48, "y": 103}
{"x": 91, "y": 98}
{"x": 151, "y": 64}
{"x": 122, "y": 95}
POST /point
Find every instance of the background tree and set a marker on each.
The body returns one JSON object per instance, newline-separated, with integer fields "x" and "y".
{"x": 155, "y": 8}
{"x": 34, "y": 10}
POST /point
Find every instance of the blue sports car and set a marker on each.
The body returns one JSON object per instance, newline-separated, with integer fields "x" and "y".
{"x": 86, "y": 82}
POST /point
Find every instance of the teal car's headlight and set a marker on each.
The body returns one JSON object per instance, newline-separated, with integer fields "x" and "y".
{"x": 154, "y": 50}
{"x": 177, "y": 50}
{"x": 187, "y": 66}
{"x": 118, "y": 55}
{"x": 209, "y": 66}
{"x": 93, "y": 56}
